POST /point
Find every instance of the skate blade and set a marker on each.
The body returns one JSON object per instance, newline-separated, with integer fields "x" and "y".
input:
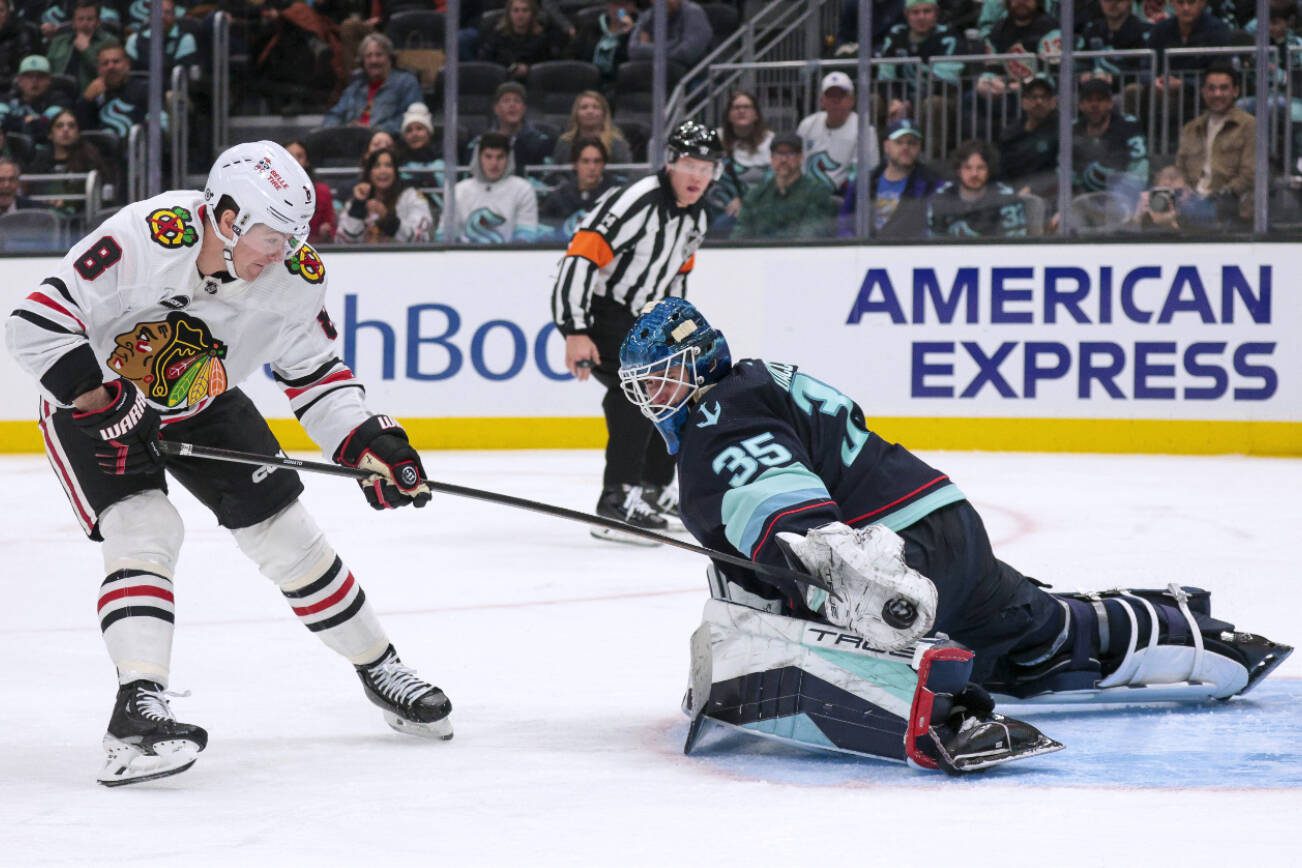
{"x": 620, "y": 537}
{"x": 977, "y": 762}
{"x": 440, "y": 729}
{"x": 128, "y": 764}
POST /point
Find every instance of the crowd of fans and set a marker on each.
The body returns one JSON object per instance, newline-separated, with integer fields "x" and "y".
{"x": 72, "y": 85}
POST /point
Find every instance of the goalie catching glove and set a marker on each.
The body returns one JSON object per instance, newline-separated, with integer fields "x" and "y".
{"x": 380, "y": 445}
{"x": 875, "y": 594}
{"x": 126, "y": 427}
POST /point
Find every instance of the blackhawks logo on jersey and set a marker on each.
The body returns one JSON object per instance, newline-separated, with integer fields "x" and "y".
{"x": 176, "y": 362}
{"x": 307, "y": 264}
{"x": 172, "y": 227}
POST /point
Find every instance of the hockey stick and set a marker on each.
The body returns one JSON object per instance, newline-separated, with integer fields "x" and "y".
{"x": 190, "y": 450}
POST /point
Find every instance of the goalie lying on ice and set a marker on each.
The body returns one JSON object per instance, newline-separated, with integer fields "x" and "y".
{"x": 782, "y": 468}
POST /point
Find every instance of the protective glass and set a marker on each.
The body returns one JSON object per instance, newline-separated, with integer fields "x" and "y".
{"x": 658, "y": 389}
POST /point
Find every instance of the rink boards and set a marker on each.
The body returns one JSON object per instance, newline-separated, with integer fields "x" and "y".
{"x": 1092, "y": 348}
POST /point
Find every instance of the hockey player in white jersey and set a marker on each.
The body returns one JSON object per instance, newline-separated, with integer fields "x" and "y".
{"x": 143, "y": 331}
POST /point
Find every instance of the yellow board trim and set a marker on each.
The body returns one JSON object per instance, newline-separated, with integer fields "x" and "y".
{"x": 1178, "y": 437}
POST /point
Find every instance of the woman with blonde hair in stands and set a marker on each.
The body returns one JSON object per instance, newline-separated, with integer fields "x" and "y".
{"x": 590, "y": 119}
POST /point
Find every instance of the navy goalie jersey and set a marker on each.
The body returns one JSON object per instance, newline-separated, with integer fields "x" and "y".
{"x": 771, "y": 449}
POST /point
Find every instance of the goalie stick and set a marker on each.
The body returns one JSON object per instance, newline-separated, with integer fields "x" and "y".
{"x": 189, "y": 450}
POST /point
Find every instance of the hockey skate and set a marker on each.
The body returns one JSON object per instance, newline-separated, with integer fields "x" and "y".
{"x": 664, "y": 500}
{"x": 628, "y": 504}
{"x": 411, "y": 705}
{"x": 145, "y": 741}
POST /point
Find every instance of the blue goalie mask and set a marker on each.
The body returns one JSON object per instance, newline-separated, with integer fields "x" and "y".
{"x": 669, "y": 355}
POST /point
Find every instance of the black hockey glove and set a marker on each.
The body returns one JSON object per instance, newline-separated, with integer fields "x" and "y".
{"x": 126, "y": 427}
{"x": 380, "y": 445}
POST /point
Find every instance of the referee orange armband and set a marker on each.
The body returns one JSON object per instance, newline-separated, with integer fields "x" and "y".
{"x": 592, "y": 246}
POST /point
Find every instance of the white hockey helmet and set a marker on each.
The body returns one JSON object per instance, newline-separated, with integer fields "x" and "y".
{"x": 267, "y": 185}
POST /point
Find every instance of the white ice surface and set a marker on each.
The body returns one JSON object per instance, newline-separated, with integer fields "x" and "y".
{"x": 566, "y": 659}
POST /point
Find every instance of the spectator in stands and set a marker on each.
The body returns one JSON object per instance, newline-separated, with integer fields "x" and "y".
{"x": 603, "y": 42}
{"x": 922, "y": 35}
{"x": 1024, "y": 29}
{"x": 31, "y": 106}
{"x": 322, "y": 228}
{"x": 687, "y": 34}
{"x": 1118, "y": 28}
{"x": 1217, "y": 154}
{"x": 18, "y": 39}
{"x": 179, "y": 48}
{"x": 11, "y": 197}
{"x": 113, "y": 100}
{"x": 971, "y": 206}
{"x": 494, "y": 206}
{"x": 379, "y": 140}
{"x": 1109, "y": 149}
{"x": 746, "y": 137}
{"x": 1192, "y": 26}
{"x": 590, "y": 118}
{"x": 420, "y": 157}
{"x": 1283, "y": 38}
{"x": 1028, "y": 148}
{"x": 298, "y": 59}
{"x": 1170, "y": 206}
{"x": 378, "y": 95}
{"x": 899, "y": 188}
{"x": 520, "y": 39}
{"x": 529, "y": 145}
{"x": 76, "y": 53}
{"x": 384, "y": 208}
{"x": 789, "y": 204}
{"x": 68, "y": 154}
{"x": 746, "y": 141}
{"x": 830, "y": 137}
{"x": 569, "y": 203}
{"x": 886, "y": 15}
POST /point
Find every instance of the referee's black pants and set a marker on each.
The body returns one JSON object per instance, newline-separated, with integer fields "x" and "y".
{"x": 635, "y": 451}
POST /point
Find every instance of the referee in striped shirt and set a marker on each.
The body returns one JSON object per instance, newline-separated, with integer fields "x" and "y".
{"x": 636, "y": 246}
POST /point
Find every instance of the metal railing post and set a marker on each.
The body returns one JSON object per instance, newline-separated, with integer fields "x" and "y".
{"x": 451, "y": 46}
{"x": 1265, "y": 111}
{"x": 1066, "y": 113}
{"x": 863, "y": 89}
{"x": 659, "y": 74}
{"x": 154, "y": 171}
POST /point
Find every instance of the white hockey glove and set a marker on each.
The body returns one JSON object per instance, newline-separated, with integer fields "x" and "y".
{"x": 875, "y": 593}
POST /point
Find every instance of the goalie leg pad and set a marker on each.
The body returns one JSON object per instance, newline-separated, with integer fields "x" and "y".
{"x": 1149, "y": 645}
{"x": 816, "y": 686}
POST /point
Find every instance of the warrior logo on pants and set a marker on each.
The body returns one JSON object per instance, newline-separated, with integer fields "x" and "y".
{"x": 176, "y": 361}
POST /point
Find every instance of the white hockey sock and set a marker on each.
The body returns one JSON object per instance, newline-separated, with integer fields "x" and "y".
{"x": 136, "y": 613}
{"x": 291, "y": 550}
{"x": 142, "y": 536}
{"x": 333, "y": 605}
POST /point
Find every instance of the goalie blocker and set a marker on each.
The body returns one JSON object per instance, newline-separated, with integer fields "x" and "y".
{"x": 817, "y": 686}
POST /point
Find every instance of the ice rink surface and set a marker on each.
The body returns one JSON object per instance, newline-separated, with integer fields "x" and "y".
{"x": 566, "y": 659}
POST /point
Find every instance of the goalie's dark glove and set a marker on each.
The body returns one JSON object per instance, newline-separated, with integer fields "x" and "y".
{"x": 126, "y": 428}
{"x": 380, "y": 445}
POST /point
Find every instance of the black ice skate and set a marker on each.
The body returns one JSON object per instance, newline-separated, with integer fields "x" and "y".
{"x": 664, "y": 500}
{"x": 626, "y": 503}
{"x": 411, "y": 705}
{"x": 145, "y": 741}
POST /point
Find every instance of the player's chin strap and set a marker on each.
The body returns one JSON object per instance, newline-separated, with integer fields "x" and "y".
{"x": 228, "y": 244}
